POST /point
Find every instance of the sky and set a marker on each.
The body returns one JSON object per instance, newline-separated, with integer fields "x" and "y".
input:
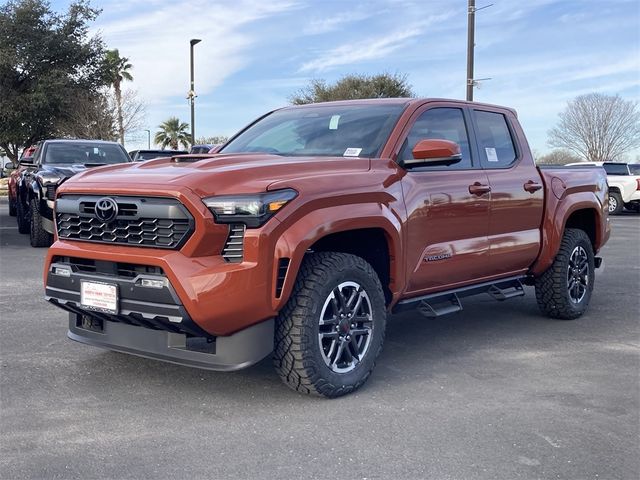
{"x": 254, "y": 54}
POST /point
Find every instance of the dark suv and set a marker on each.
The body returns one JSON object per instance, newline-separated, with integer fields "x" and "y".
{"x": 53, "y": 162}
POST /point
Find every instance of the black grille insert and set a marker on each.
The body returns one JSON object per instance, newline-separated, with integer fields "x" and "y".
{"x": 120, "y": 269}
{"x": 283, "y": 266}
{"x": 146, "y": 222}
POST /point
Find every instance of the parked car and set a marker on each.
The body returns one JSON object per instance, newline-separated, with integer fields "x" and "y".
{"x": 624, "y": 184}
{"x": 14, "y": 175}
{"x": 203, "y": 148}
{"x": 38, "y": 177}
{"x": 141, "y": 155}
{"x": 315, "y": 222}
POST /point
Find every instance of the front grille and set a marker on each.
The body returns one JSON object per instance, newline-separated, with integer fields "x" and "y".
{"x": 145, "y": 222}
{"x": 233, "y": 250}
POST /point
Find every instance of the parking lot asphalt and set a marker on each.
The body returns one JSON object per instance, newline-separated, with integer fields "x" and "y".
{"x": 495, "y": 392}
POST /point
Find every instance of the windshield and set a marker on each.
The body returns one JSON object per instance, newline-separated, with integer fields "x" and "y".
{"x": 85, "y": 153}
{"x": 151, "y": 155}
{"x": 326, "y": 131}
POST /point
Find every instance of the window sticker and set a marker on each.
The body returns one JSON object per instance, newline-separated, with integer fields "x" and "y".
{"x": 333, "y": 123}
{"x": 352, "y": 152}
{"x": 492, "y": 156}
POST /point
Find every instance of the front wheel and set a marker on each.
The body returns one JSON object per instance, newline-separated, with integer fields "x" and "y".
{"x": 564, "y": 290}
{"x": 331, "y": 330}
{"x": 38, "y": 236}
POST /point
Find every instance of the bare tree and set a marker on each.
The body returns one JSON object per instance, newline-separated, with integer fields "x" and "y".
{"x": 598, "y": 127}
{"x": 97, "y": 116}
{"x": 557, "y": 157}
{"x": 133, "y": 111}
{"x": 89, "y": 116}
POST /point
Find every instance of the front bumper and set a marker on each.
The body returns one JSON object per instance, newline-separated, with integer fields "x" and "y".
{"x": 150, "y": 322}
{"x": 234, "y": 352}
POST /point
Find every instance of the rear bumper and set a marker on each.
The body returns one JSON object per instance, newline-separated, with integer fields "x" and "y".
{"x": 234, "y": 352}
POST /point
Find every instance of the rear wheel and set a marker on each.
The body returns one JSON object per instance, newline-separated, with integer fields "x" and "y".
{"x": 12, "y": 207}
{"x": 22, "y": 217}
{"x": 331, "y": 330}
{"x": 564, "y": 290}
{"x": 38, "y": 235}
{"x": 615, "y": 203}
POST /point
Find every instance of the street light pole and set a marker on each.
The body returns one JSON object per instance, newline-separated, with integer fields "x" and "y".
{"x": 470, "y": 44}
{"x": 148, "y": 139}
{"x": 192, "y": 93}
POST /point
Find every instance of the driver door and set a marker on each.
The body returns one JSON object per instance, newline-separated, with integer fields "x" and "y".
{"x": 447, "y": 207}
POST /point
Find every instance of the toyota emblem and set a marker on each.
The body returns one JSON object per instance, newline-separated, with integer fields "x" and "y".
{"x": 106, "y": 209}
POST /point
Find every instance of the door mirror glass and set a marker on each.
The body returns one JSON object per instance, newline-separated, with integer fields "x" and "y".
{"x": 434, "y": 152}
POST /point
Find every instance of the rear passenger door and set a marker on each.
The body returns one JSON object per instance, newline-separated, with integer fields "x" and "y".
{"x": 517, "y": 194}
{"x": 447, "y": 206}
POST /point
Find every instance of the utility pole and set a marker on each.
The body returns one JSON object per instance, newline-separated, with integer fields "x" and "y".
{"x": 192, "y": 93}
{"x": 470, "y": 44}
{"x": 148, "y": 139}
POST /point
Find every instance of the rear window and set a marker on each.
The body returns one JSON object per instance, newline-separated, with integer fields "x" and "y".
{"x": 634, "y": 168}
{"x": 494, "y": 139}
{"x": 84, "y": 153}
{"x": 616, "y": 168}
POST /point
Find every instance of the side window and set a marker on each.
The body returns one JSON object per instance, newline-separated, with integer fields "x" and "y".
{"x": 443, "y": 123}
{"x": 494, "y": 140}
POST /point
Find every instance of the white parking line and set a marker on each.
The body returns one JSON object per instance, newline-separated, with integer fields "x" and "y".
{"x": 8, "y": 228}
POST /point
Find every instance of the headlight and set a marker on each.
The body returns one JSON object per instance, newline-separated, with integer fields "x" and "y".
{"x": 252, "y": 210}
{"x": 48, "y": 178}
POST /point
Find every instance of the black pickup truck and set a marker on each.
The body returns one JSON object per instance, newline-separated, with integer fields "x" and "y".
{"x": 53, "y": 162}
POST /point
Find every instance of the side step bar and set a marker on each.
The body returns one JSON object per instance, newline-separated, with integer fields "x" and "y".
{"x": 443, "y": 303}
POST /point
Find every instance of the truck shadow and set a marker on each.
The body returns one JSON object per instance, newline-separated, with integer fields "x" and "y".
{"x": 417, "y": 349}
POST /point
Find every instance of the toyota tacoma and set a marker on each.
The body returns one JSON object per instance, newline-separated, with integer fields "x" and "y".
{"x": 310, "y": 226}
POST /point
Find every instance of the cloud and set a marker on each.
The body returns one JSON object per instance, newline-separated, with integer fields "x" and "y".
{"x": 329, "y": 24}
{"x": 371, "y": 48}
{"x": 155, "y": 38}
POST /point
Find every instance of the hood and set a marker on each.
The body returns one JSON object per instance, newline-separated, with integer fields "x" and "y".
{"x": 64, "y": 170}
{"x": 219, "y": 174}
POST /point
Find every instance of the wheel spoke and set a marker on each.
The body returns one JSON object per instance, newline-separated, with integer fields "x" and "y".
{"x": 329, "y": 321}
{"x": 354, "y": 294}
{"x": 332, "y": 334}
{"x": 332, "y": 349}
{"x": 338, "y": 354}
{"x": 359, "y": 331}
{"x": 354, "y": 349}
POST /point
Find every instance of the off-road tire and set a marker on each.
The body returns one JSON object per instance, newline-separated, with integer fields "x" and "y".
{"x": 22, "y": 217}
{"x": 297, "y": 354}
{"x": 552, "y": 292}
{"x": 38, "y": 236}
{"x": 12, "y": 208}
{"x": 615, "y": 203}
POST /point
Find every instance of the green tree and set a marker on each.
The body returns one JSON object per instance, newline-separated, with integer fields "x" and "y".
{"x": 598, "y": 127}
{"x": 45, "y": 59}
{"x": 353, "y": 87}
{"x": 173, "y": 133}
{"x": 116, "y": 70}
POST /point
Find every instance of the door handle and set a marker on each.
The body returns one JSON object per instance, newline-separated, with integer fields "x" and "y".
{"x": 532, "y": 186}
{"x": 479, "y": 189}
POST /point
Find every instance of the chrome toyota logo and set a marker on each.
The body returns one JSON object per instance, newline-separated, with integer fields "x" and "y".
{"x": 106, "y": 209}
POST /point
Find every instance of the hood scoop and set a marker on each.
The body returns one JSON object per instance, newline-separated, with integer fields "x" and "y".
{"x": 190, "y": 158}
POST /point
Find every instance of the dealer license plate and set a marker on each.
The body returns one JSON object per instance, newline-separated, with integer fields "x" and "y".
{"x": 101, "y": 297}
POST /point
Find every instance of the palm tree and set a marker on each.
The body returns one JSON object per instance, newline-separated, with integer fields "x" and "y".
{"x": 173, "y": 133}
{"x": 118, "y": 70}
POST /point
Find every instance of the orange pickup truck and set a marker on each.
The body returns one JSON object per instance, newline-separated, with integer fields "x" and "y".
{"x": 310, "y": 226}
